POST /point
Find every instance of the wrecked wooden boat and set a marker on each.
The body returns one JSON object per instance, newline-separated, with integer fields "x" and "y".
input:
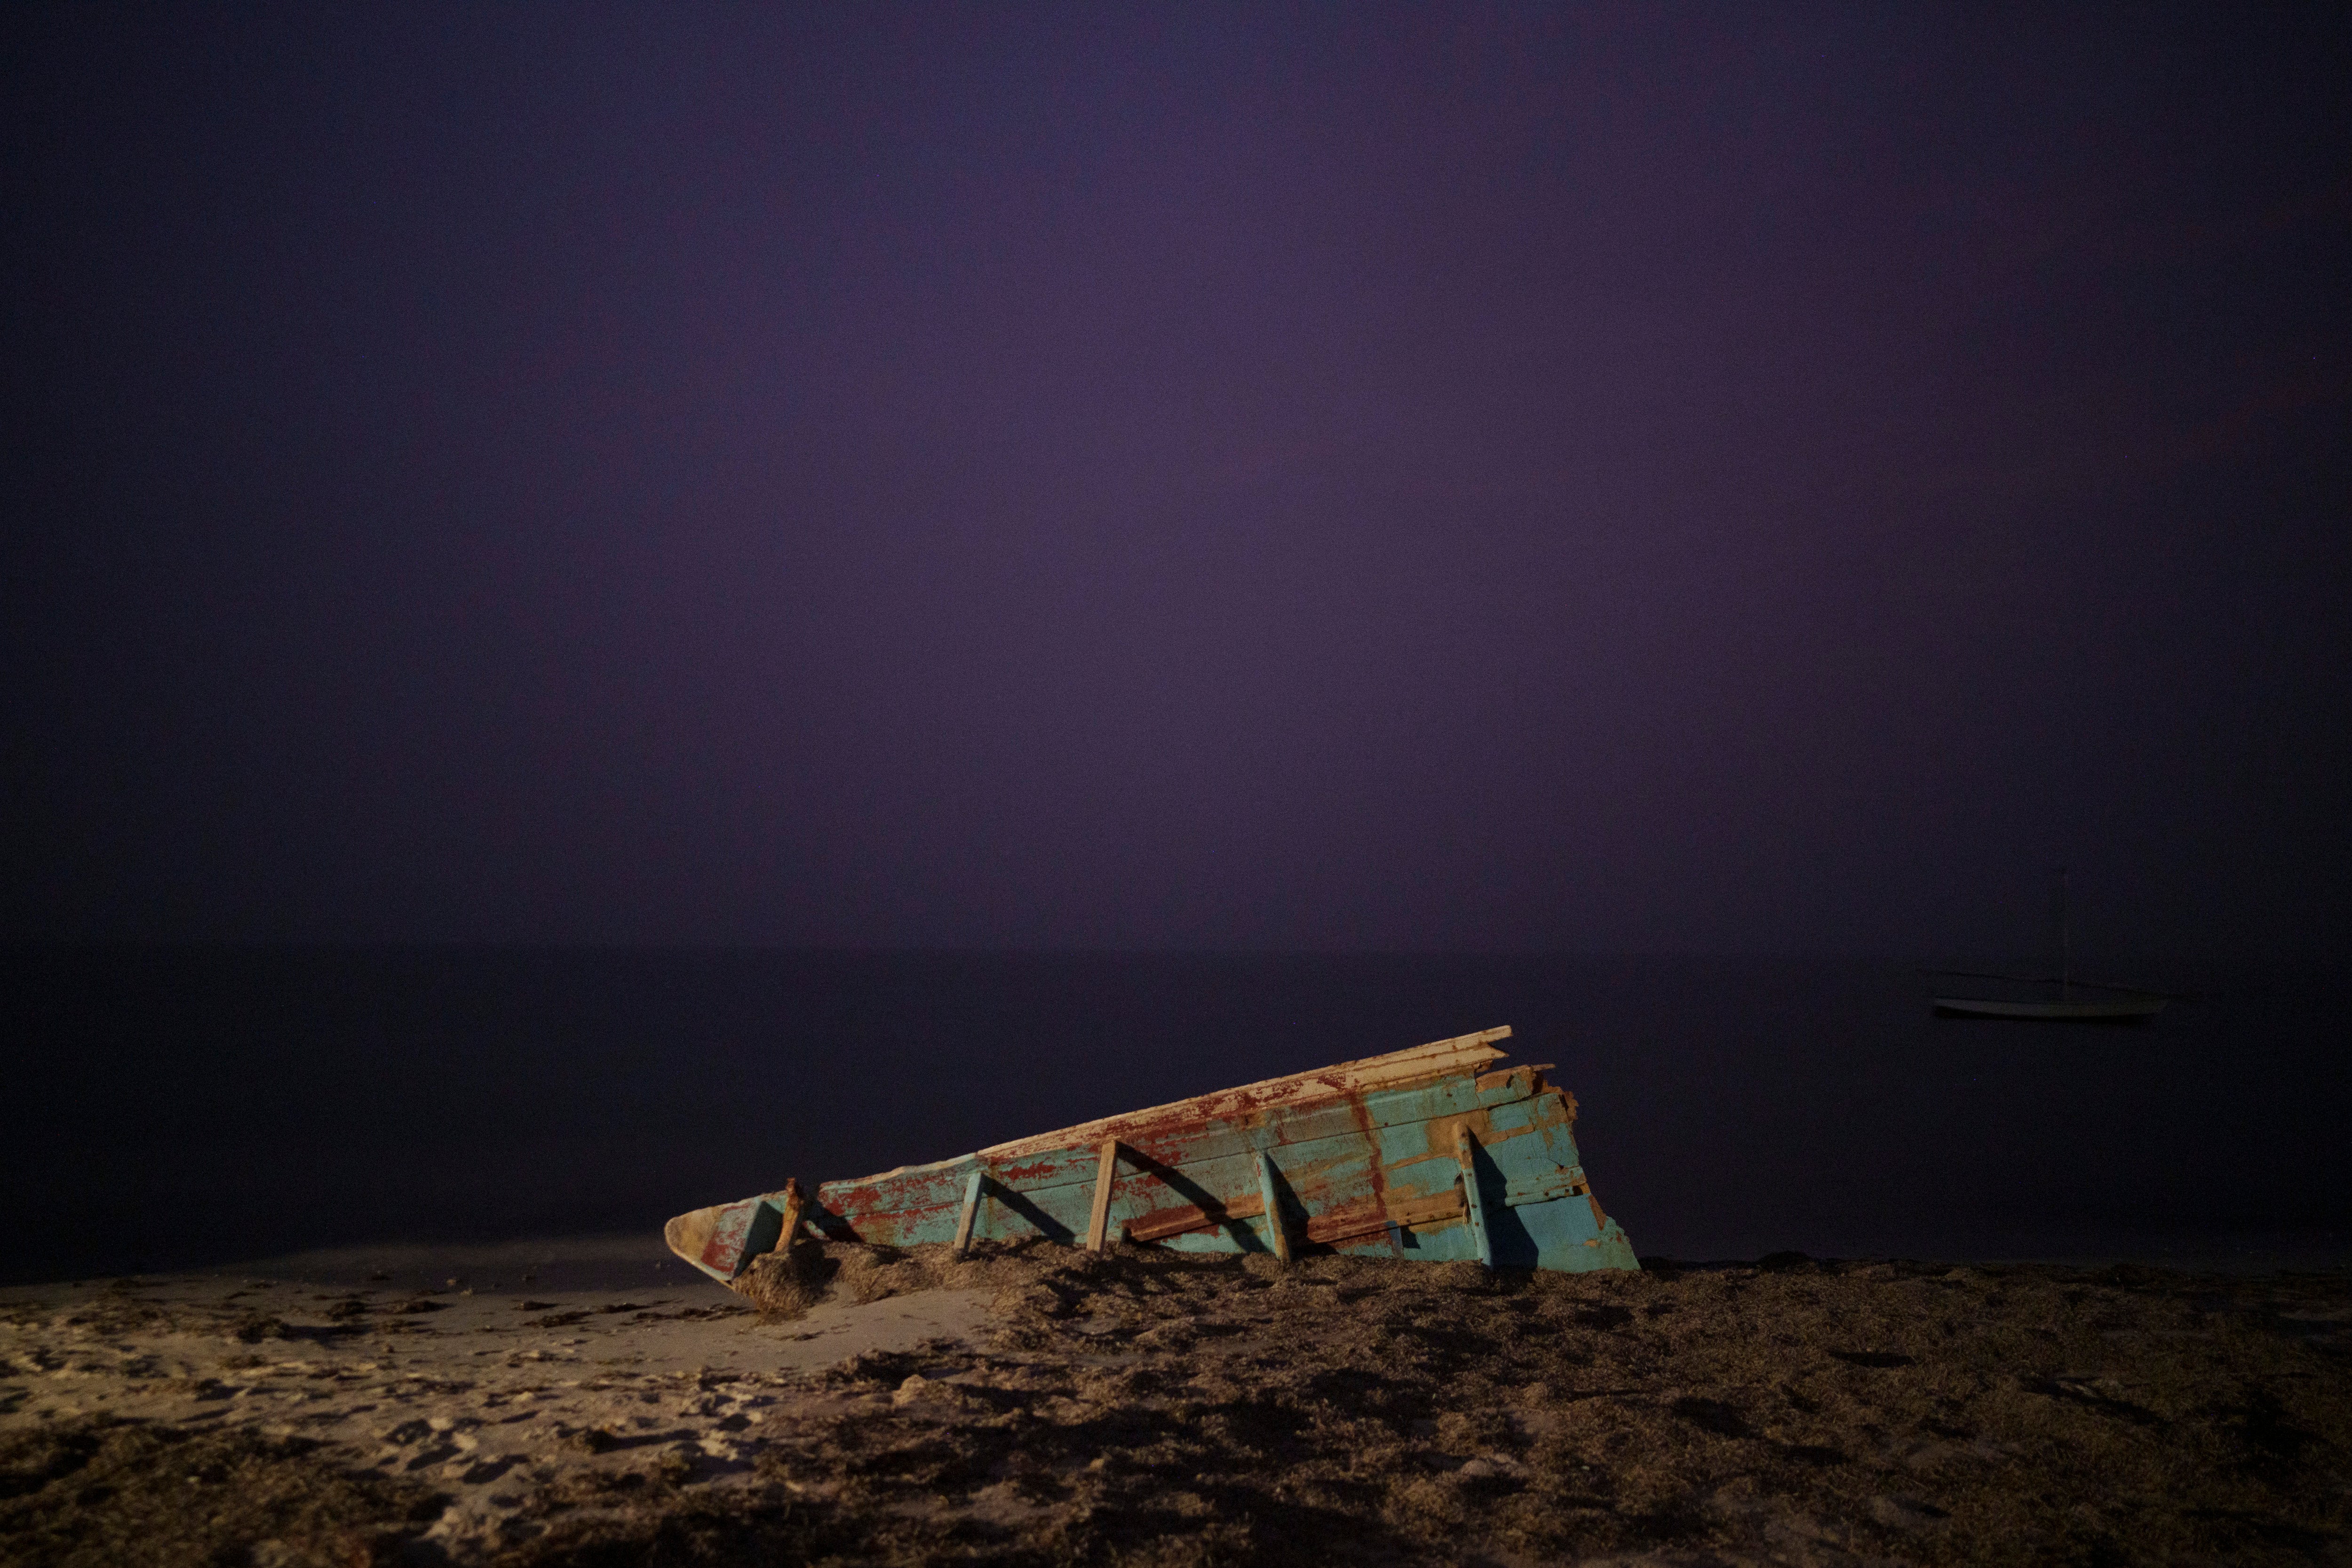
{"x": 1434, "y": 1153}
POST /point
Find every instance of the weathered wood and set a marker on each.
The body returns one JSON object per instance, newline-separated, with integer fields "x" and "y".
{"x": 795, "y": 1201}
{"x": 1545, "y": 1185}
{"x": 1465, "y": 1149}
{"x": 1193, "y": 1142}
{"x": 1444, "y": 1209}
{"x": 1401, "y": 1157}
{"x": 1163, "y": 1223}
{"x": 1357, "y": 1078}
{"x": 1190, "y": 1144}
{"x": 1105, "y": 1172}
{"x": 1349, "y": 1151}
{"x": 971, "y": 1214}
{"x": 1277, "y": 1234}
{"x": 1320, "y": 1228}
{"x": 1323, "y": 1229}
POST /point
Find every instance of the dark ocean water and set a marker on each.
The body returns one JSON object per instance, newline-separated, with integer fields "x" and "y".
{"x": 182, "y": 1107}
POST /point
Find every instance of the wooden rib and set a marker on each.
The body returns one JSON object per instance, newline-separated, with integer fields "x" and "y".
{"x": 1465, "y": 1150}
{"x": 1105, "y": 1172}
{"x": 970, "y": 1213}
{"x": 1276, "y": 1231}
{"x": 794, "y": 1202}
{"x": 1347, "y": 1224}
{"x": 1436, "y": 1058}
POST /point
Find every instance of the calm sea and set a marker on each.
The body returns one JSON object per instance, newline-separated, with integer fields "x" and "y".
{"x": 177, "y": 1107}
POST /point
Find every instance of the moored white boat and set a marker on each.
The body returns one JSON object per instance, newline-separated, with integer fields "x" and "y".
{"x": 2119, "y": 1005}
{"x": 2131, "y": 1009}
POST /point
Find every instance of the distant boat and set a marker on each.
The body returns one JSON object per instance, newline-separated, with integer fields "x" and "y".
{"x": 2132, "y": 1007}
{"x": 2120, "y": 1004}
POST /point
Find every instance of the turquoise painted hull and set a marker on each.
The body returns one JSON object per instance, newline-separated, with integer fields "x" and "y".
{"x": 1432, "y": 1154}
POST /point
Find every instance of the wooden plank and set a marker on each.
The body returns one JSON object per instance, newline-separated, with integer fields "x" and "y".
{"x": 1253, "y": 1099}
{"x": 1465, "y": 1148}
{"x": 1166, "y": 1223}
{"x": 1277, "y": 1234}
{"x": 1322, "y": 1229}
{"x": 1185, "y": 1145}
{"x": 1560, "y": 1182}
{"x": 971, "y": 1212}
{"x": 1446, "y": 1206}
{"x": 1106, "y": 1173}
{"x": 1163, "y": 1223}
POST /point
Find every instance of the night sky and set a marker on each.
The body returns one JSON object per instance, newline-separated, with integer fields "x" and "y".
{"x": 1178, "y": 476}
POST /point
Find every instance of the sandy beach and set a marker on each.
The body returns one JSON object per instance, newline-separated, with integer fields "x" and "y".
{"x": 595, "y": 1401}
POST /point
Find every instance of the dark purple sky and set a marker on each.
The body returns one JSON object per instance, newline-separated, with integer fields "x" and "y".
{"x": 1182, "y": 476}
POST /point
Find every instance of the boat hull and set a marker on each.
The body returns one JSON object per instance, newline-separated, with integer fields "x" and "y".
{"x": 1434, "y": 1153}
{"x": 2119, "y": 1010}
